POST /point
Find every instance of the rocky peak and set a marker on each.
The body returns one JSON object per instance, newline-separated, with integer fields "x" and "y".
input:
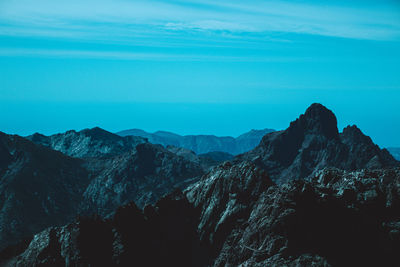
{"x": 312, "y": 142}
{"x": 94, "y": 142}
{"x": 317, "y": 120}
{"x": 354, "y": 134}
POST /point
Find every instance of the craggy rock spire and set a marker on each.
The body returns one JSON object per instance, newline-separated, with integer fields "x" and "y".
{"x": 311, "y": 143}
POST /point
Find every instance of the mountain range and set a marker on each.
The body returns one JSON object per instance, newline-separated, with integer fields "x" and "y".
{"x": 42, "y": 187}
{"x": 313, "y": 142}
{"x": 395, "y": 151}
{"x": 202, "y": 144}
{"x": 305, "y": 196}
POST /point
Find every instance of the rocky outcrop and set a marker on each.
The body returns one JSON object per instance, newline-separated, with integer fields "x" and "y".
{"x": 311, "y": 143}
{"x": 163, "y": 235}
{"x": 202, "y": 144}
{"x": 94, "y": 142}
{"x": 236, "y": 216}
{"x": 339, "y": 218}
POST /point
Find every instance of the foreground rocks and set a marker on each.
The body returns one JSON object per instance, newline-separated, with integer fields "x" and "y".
{"x": 41, "y": 187}
{"x": 236, "y": 216}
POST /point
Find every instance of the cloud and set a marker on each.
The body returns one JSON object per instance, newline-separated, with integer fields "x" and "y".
{"x": 118, "y": 18}
{"x": 65, "y": 53}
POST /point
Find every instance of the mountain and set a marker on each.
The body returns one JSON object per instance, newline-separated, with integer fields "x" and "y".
{"x": 143, "y": 176}
{"x": 39, "y": 187}
{"x": 42, "y": 187}
{"x": 395, "y": 151}
{"x": 337, "y": 218}
{"x": 94, "y": 142}
{"x": 313, "y": 142}
{"x": 236, "y": 216}
{"x": 305, "y": 196}
{"x": 202, "y": 144}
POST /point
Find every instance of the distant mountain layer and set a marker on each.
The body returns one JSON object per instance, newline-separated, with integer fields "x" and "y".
{"x": 395, "y": 151}
{"x": 202, "y": 144}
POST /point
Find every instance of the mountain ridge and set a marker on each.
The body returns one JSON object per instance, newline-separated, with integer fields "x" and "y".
{"x": 202, "y": 144}
{"x": 313, "y": 142}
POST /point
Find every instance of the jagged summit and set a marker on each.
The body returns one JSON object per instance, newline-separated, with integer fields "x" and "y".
{"x": 312, "y": 142}
{"x": 318, "y": 120}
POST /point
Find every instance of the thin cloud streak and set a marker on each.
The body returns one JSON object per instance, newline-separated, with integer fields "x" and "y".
{"x": 235, "y": 17}
{"x": 116, "y": 55}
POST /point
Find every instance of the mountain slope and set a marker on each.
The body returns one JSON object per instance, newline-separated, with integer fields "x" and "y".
{"x": 202, "y": 144}
{"x": 236, "y": 216}
{"x": 143, "y": 176}
{"x": 311, "y": 143}
{"x": 39, "y": 187}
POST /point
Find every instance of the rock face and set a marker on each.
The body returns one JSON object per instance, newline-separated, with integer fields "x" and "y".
{"x": 142, "y": 176}
{"x": 94, "y": 142}
{"x": 339, "y": 219}
{"x": 236, "y": 216}
{"x": 163, "y": 235}
{"x": 39, "y": 187}
{"x": 311, "y": 143}
{"x": 202, "y": 144}
{"x": 217, "y": 156}
{"x": 395, "y": 151}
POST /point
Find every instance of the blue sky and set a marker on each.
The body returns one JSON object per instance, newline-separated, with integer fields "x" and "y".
{"x": 207, "y": 67}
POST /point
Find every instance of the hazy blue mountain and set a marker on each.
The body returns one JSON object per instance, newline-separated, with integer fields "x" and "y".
{"x": 395, "y": 151}
{"x": 202, "y": 144}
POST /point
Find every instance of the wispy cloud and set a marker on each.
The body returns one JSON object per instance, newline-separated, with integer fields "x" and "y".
{"x": 133, "y": 56}
{"x": 106, "y": 18}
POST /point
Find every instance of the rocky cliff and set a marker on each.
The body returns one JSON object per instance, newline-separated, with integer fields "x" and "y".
{"x": 313, "y": 142}
{"x": 236, "y": 216}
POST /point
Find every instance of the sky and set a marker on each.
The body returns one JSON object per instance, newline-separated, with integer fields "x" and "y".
{"x": 198, "y": 67}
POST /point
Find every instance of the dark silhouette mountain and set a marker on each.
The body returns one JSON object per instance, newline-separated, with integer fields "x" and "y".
{"x": 311, "y": 143}
{"x": 202, "y": 144}
{"x": 39, "y": 187}
{"x": 236, "y": 216}
{"x": 93, "y": 142}
{"x": 395, "y": 151}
